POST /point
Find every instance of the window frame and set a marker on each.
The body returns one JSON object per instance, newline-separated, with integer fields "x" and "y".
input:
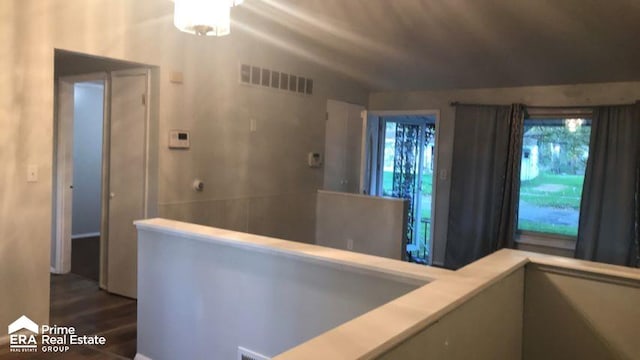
{"x": 541, "y": 238}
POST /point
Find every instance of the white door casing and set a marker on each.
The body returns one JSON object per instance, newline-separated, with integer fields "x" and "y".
{"x": 64, "y": 178}
{"x": 370, "y": 153}
{"x": 375, "y": 119}
{"x": 125, "y": 174}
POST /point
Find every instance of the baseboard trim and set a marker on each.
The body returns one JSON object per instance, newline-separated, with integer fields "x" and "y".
{"x": 141, "y": 357}
{"x": 85, "y": 235}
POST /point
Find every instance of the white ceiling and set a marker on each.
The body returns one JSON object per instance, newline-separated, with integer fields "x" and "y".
{"x": 445, "y": 44}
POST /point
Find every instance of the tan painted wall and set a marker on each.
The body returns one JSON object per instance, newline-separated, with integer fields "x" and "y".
{"x": 259, "y": 181}
{"x": 375, "y": 225}
{"x": 570, "y": 316}
{"x": 488, "y": 326}
{"x": 566, "y": 95}
{"x": 265, "y": 170}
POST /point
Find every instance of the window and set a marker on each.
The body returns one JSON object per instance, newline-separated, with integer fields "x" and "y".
{"x": 554, "y": 158}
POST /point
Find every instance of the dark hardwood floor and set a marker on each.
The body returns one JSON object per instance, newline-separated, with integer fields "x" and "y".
{"x": 85, "y": 257}
{"x": 78, "y": 302}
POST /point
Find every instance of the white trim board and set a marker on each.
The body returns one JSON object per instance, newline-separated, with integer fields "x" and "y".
{"x": 402, "y": 271}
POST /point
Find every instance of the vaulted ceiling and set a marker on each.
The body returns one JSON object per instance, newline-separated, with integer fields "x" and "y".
{"x": 445, "y": 44}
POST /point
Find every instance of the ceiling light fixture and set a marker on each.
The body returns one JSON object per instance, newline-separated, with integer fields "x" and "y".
{"x": 573, "y": 124}
{"x": 204, "y": 17}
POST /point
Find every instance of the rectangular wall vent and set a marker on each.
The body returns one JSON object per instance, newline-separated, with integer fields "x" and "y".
{"x": 245, "y": 74}
{"x": 275, "y": 80}
{"x": 284, "y": 81}
{"x": 255, "y": 75}
{"x": 245, "y": 354}
{"x": 266, "y": 77}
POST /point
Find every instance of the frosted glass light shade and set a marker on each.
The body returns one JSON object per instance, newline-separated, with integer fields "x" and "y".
{"x": 573, "y": 124}
{"x": 204, "y": 17}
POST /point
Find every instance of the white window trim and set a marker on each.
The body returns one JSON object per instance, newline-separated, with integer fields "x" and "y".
{"x": 546, "y": 240}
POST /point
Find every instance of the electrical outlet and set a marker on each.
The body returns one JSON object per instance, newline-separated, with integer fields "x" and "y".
{"x": 253, "y": 126}
{"x": 349, "y": 244}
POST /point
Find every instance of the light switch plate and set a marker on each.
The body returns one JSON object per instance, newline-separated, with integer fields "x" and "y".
{"x": 32, "y": 173}
{"x": 176, "y": 77}
{"x": 314, "y": 159}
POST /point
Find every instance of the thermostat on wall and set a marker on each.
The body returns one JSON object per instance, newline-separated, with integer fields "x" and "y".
{"x": 179, "y": 139}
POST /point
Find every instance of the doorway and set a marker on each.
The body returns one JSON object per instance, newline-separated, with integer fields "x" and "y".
{"x": 101, "y": 169}
{"x": 86, "y": 209}
{"x": 402, "y": 153}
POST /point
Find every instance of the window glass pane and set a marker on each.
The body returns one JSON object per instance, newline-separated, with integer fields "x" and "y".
{"x": 554, "y": 158}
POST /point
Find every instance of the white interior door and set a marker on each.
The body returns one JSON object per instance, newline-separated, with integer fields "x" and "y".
{"x": 127, "y": 177}
{"x": 335, "y": 145}
{"x": 343, "y": 147}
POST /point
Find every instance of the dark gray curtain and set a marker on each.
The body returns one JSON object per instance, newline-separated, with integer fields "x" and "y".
{"x": 637, "y": 217}
{"x": 485, "y": 179}
{"x": 607, "y": 231}
{"x": 511, "y": 189}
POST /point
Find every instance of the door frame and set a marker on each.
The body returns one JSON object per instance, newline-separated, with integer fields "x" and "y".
{"x": 380, "y": 150}
{"x": 63, "y": 133}
{"x": 63, "y": 165}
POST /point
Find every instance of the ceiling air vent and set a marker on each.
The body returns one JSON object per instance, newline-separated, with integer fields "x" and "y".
{"x": 256, "y": 76}
{"x": 244, "y": 354}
